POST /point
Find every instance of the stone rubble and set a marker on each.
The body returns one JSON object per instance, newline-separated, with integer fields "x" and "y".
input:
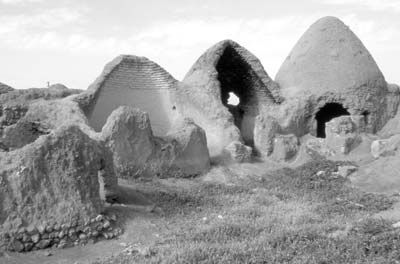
{"x": 62, "y": 236}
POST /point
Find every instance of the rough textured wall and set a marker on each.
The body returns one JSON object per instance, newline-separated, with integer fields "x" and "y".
{"x": 330, "y": 64}
{"x": 41, "y": 118}
{"x": 392, "y": 127}
{"x": 24, "y": 96}
{"x": 132, "y": 81}
{"x": 15, "y": 104}
{"x": 128, "y": 134}
{"x": 51, "y": 180}
{"x": 54, "y": 171}
{"x": 5, "y": 88}
{"x": 137, "y": 153}
{"x": 203, "y": 93}
{"x": 191, "y": 153}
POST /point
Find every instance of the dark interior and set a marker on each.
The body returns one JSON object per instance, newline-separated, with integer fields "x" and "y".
{"x": 366, "y": 117}
{"x": 326, "y": 114}
{"x": 236, "y": 75}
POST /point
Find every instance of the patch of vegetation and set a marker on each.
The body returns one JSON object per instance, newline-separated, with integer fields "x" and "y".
{"x": 184, "y": 201}
{"x": 303, "y": 215}
{"x": 317, "y": 181}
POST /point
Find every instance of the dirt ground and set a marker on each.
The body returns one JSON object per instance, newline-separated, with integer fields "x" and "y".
{"x": 222, "y": 217}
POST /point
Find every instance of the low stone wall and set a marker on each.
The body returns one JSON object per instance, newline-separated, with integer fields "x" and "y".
{"x": 52, "y": 235}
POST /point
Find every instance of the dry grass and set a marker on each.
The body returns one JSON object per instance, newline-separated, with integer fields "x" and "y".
{"x": 289, "y": 216}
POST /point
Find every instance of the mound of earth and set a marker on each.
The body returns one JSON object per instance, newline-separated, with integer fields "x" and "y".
{"x": 5, "y": 88}
{"x": 15, "y": 104}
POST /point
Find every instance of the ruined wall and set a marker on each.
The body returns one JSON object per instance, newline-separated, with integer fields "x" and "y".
{"x": 5, "y": 88}
{"x": 54, "y": 171}
{"x": 236, "y": 75}
{"x": 137, "y": 82}
{"x": 15, "y": 104}
{"x": 52, "y": 179}
{"x": 138, "y": 154}
{"x": 204, "y": 92}
{"x": 392, "y": 127}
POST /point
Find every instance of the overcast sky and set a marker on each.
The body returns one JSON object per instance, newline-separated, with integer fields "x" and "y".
{"x": 70, "y": 41}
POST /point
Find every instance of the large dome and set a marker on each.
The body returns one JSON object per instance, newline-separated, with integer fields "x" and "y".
{"x": 329, "y": 57}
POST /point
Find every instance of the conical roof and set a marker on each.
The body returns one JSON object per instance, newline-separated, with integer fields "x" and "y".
{"x": 329, "y": 57}
{"x": 205, "y": 67}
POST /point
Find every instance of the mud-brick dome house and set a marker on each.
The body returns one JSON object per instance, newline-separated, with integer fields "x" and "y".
{"x": 132, "y": 81}
{"x": 223, "y": 69}
{"x": 330, "y": 73}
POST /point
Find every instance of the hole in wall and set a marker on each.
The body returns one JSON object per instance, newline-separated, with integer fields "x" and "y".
{"x": 365, "y": 114}
{"x": 326, "y": 114}
{"x": 233, "y": 99}
{"x": 239, "y": 84}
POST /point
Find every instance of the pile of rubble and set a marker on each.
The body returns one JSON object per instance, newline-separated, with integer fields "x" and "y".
{"x": 52, "y": 235}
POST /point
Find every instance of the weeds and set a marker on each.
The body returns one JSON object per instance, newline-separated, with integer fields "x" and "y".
{"x": 287, "y": 217}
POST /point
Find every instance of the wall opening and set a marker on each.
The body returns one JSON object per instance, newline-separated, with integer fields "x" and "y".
{"x": 365, "y": 114}
{"x": 233, "y": 99}
{"x": 237, "y": 78}
{"x": 326, "y": 114}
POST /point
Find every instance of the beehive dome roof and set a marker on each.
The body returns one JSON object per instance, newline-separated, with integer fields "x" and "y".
{"x": 329, "y": 57}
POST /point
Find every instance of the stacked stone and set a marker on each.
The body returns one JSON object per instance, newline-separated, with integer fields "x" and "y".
{"x": 61, "y": 236}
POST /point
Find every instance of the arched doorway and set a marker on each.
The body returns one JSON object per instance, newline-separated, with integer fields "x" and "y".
{"x": 236, "y": 76}
{"x": 326, "y": 114}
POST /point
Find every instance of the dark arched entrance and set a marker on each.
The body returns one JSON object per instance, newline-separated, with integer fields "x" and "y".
{"x": 326, "y": 114}
{"x": 236, "y": 75}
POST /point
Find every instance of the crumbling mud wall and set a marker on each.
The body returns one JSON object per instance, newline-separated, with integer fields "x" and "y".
{"x": 226, "y": 67}
{"x": 46, "y": 116}
{"x": 392, "y": 127}
{"x": 54, "y": 175}
{"x": 132, "y": 81}
{"x": 14, "y": 105}
{"x": 5, "y": 88}
{"x": 329, "y": 64}
{"x": 138, "y": 153}
{"x": 236, "y": 76}
{"x": 48, "y": 188}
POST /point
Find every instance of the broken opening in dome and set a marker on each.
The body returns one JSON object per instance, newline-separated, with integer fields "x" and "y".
{"x": 326, "y": 114}
{"x": 238, "y": 79}
{"x": 233, "y": 99}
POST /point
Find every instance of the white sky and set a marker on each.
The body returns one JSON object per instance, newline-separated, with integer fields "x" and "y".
{"x": 70, "y": 41}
